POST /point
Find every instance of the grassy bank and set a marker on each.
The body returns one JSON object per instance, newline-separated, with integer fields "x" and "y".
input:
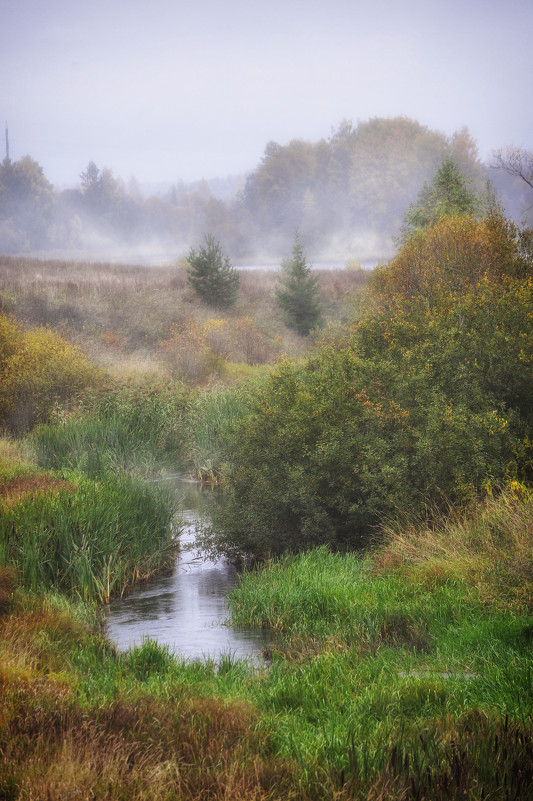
{"x": 403, "y": 675}
{"x": 83, "y": 529}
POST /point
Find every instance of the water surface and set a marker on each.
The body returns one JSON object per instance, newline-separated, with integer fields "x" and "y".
{"x": 186, "y": 610}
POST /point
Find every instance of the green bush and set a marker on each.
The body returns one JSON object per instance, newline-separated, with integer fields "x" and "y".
{"x": 330, "y": 448}
{"x": 430, "y": 401}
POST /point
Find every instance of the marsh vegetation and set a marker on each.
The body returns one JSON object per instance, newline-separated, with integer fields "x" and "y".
{"x": 377, "y": 477}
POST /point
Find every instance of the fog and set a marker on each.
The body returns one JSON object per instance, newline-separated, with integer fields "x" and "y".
{"x": 170, "y": 90}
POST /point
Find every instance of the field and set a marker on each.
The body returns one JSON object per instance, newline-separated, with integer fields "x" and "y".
{"x": 146, "y": 318}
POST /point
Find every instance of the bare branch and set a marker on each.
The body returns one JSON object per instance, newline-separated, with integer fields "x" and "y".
{"x": 515, "y": 161}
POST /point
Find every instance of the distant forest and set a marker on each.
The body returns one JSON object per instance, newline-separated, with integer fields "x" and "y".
{"x": 347, "y": 196}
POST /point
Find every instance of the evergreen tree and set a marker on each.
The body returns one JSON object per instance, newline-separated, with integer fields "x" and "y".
{"x": 448, "y": 195}
{"x": 212, "y": 275}
{"x": 297, "y": 294}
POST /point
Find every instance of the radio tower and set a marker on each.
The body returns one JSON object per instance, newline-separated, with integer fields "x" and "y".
{"x": 7, "y": 145}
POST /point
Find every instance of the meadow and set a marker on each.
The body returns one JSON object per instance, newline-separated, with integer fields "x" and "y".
{"x": 140, "y": 318}
{"x": 402, "y": 674}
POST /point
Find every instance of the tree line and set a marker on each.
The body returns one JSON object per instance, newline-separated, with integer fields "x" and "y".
{"x": 347, "y": 195}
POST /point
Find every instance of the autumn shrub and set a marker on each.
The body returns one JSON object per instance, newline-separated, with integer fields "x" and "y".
{"x": 438, "y": 265}
{"x": 188, "y": 353}
{"x": 251, "y": 343}
{"x": 197, "y": 350}
{"x": 429, "y": 402}
{"x": 39, "y": 369}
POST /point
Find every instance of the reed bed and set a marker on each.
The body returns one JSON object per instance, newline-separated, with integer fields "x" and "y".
{"x": 90, "y": 538}
{"x": 209, "y": 419}
{"x": 123, "y": 427}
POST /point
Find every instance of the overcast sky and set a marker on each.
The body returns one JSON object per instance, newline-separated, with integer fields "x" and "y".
{"x": 166, "y": 89}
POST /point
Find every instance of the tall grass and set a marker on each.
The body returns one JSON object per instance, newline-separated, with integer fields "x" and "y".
{"x": 333, "y": 724}
{"x": 383, "y": 685}
{"x": 400, "y": 679}
{"x": 129, "y": 428}
{"x": 93, "y": 538}
{"x": 489, "y": 544}
{"x": 210, "y": 417}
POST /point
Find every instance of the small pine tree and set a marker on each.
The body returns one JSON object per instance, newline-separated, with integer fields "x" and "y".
{"x": 449, "y": 194}
{"x": 298, "y": 294}
{"x": 212, "y": 275}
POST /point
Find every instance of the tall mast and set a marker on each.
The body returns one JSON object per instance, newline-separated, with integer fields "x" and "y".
{"x": 7, "y": 143}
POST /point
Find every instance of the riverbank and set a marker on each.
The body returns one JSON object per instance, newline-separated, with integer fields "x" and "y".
{"x": 403, "y": 674}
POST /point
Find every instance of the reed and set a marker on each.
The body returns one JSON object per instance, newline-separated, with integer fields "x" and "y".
{"x": 127, "y": 427}
{"x": 93, "y": 538}
{"x": 209, "y": 419}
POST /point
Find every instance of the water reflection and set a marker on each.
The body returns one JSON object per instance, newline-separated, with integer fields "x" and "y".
{"x": 186, "y": 610}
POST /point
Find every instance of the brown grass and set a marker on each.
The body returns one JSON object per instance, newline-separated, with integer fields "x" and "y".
{"x": 16, "y": 488}
{"x": 136, "y": 746}
{"x": 139, "y": 749}
{"x": 120, "y": 314}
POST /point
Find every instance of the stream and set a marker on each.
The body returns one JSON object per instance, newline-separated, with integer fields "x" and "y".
{"x": 186, "y": 610}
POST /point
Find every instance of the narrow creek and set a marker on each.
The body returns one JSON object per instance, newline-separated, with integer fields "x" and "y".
{"x": 186, "y": 610}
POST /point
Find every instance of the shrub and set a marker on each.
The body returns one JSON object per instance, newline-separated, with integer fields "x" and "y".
{"x": 330, "y": 448}
{"x": 431, "y": 399}
{"x": 194, "y": 351}
{"x": 38, "y": 369}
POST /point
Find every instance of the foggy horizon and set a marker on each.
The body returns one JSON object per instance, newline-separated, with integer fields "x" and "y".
{"x": 172, "y": 92}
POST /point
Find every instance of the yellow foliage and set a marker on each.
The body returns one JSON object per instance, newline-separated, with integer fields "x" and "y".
{"x": 38, "y": 369}
{"x": 450, "y": 259}
{"x": 196, "y": 350}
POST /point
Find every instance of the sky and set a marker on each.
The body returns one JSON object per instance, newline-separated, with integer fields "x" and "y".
{"x": 165, "y": 90}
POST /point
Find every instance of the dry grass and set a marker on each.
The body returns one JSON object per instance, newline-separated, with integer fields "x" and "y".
{"x": 54, "y": 746}
{"x": 16, "y": 488}
{"x": 120, "y": 314}
{"x": 490, "y": 544}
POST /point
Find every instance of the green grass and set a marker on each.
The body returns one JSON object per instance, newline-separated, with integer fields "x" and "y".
{"x": 123, "y": 428}
{"x": 209, "y": 418}
{"x": 392, "y": 676}
{"x": 330, "y": 721}
{"x": 92, "y": 538}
